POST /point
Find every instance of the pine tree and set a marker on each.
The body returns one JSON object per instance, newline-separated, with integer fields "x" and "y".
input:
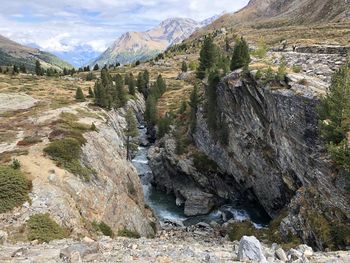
{"x": 151, "y": 110}
{"x": 141, "y": 85}
{"x": 146, "y": 77}
{"x": 119, "y": 83}
{"x": 334, "y": 109}
{"x": 211, "y": 96}
{"x": 15, "y": 69}
{"x": 23, "y": 69}
{"x": 161, "y": 85}
{"x": 194, "y": 103}
{"x": 91, "y": 93}
{"x": 79, "y": 95}
{"x": 0, "y": 69}
{"x": 207, "y": 58}
{"x": 38, "y": 69}
{"x": 184, "y": 67}
{"x": 131, "y": 84}
{"x": 126, "y": 79}
{"x": 130, "y": 131}
{"x": 65, "y": 72}
{"x": 96, "y": 67}
{"x": 241, "y": 56}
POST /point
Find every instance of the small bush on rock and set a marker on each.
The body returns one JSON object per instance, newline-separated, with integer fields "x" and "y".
{"x": 14, "y": 188}
{"x": 128, "y": 233}
{"x": 104, "y": 228}
{"x": 42, "y": 228}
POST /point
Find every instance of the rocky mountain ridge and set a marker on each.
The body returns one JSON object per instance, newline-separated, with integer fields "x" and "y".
{"x": 12, "y": 53}
{"x": 133, "y": 46}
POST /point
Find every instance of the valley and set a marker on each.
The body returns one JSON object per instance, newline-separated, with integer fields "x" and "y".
{"x": 218, "y": 142}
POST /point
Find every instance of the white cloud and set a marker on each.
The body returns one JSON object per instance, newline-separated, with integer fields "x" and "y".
{"x": 64, "y": 25}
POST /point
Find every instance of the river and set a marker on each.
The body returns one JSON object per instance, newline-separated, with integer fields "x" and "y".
{"x": 164, "y": 205}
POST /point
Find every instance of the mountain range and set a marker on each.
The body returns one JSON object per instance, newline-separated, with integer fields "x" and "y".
{"x": 12, "y": 53}
{"x": 133, "y": 46}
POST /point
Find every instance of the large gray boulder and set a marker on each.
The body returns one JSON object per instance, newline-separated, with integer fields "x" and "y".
{"x": 250, "y": 249}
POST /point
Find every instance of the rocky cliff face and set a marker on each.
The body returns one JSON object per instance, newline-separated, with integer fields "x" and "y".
{"x": 113, "y": 195}
{"x": 274, "y": 151}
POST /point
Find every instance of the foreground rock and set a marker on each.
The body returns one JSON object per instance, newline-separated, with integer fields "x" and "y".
{"x": 250, "y": 249}
{"x": 171, "y": 247}
{"x": 12, "y": 102}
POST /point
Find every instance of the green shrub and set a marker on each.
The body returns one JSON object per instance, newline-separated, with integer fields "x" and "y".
{"x": 240, "y": 229}
{"x": 66, "y": 152}
{"x": 128, "y": 233}
{"x": 42, "y": 228}
{"x": 202, "y": 163}
{"x": 14, "y": 188}
{"x": 104, "y": 228}
{"x": 16, "y": 165}
{"x": 297, "y": 68}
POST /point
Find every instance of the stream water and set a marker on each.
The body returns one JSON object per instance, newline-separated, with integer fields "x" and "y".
{"x": 165, "y": 208}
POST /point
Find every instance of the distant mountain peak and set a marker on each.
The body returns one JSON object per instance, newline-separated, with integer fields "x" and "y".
{"x": 133, "y": 46}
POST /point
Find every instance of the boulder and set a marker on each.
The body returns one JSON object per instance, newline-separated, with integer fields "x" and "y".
{"x": 305, "y": 250}
{"x": 280, "y": 254}
{"x": 77, "y": 251}
{"x": 250, "y": 249}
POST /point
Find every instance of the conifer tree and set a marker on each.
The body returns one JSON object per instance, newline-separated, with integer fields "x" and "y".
{"x": 131, "y": 84}
{"x": 146, "y": 77}
{"x": 96, "y": 67}
{"x": 194, "y": 103}
{"x": 15, "y": 69}
{"x": 184, "y": 67}
{"x": 23, "y": 69}
{"x": 141, "y": 85}
{"x": 334, "y": 109}
{"x": 79, "y": 95}
{"x": 241, "y": 56}
{"x": 119, "y": 82}
{"x": 130, "y": 131}
{"x": 38, "y": 69}
{"x": 126, "y": 79}
{"x": 161, "y": 85}
{"x": 211, "y": 96}
{"x": 91, "y": 93}
{"x": 207, "y": 58}
{"x": 151, "y": 110}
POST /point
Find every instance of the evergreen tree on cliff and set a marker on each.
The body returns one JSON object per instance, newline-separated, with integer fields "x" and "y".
{"x": 211, "y": 96}
{"x": 119, "y": 83}
{"x": 241, "y": 56}
{"x": 151, "y": 110}
{"x": 130, "y": 131}
{"x": 194, "y": 102}
{"x": 132, "y": 84}
{"x": 161, "y": 85}
{"x": 207, "y": 58}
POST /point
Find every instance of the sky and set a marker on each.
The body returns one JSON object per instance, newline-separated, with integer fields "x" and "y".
{"x": 64, "y": 25}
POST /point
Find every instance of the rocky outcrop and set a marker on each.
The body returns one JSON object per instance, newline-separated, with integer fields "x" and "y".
{"x": 274, "y": 152}
{"x": 113, "y": 195}
{"x": 198, "y": 190}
